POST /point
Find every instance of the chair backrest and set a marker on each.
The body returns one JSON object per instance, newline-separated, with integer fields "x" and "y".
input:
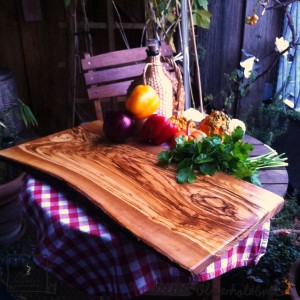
{"x": 110, "y": 74}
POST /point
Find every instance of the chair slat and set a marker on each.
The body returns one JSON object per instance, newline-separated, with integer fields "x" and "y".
{"x": 113, "y": 59}
{"x": 115, "y": 74}
{"x": 112, "y": 90}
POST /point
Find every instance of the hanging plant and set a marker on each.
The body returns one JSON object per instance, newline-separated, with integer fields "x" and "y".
{"x": 165, "y": 16}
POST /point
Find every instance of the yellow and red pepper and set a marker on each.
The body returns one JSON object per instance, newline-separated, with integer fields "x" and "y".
{"x": 158, "y": 129}
{"x": 142, "y": 102}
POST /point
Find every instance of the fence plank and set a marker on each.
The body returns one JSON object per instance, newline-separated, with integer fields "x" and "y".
{"x": 222, "y": 43}
{"x": 260, "y": 41}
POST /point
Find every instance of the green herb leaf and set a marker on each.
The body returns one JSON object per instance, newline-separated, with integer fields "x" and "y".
{"x": 186, "y": 175}
{"x": 202, "y": 158}
{"x": 208, "y": 169}
{"x": 185, "y": 163}
{"x": 199, "y": 147}
{"x": 238, "y": 134}
{"x": 242, "y": 150}
{"x": 165, "y": 157}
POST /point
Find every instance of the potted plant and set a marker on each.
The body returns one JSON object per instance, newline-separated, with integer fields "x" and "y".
{"x": 11, "y": 223}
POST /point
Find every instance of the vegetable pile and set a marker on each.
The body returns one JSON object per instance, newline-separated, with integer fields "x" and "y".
{"x": 215, "y": 144}
{"x": 226, "y": 153}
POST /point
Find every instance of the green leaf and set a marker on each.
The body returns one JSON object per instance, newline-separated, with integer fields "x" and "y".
{"x": 239, "y": 73}
{"x": 243, "y": 91}
{"x": 237, "y": 134}
{"x": 185, "y": 163}
{"x": 199, "y": 147}
{"x": 208, "y": 145}
{"x": 216, "y": 139}
{"x": 203, "y": 4}
{"x": 242, "y": 171}
{"x": 186, "y": 175}
{"x": 208, "y": 169}
{"x": 165, "y": 157}
{"x": 189, "y": 147}
{"x": 227, "y": 140}
{"x": 202, "y": 158}
{"x": 201, "y": 18}
{"x": 241, "y": 150}
{"x": 27, "y": 115}
{"x": 180, "y": 141}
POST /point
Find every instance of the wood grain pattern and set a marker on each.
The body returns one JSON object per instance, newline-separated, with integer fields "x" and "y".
{"x": 191, "y": 224}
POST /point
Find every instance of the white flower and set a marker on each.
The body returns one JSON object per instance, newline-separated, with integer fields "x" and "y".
{"x": 281, "y": 44}
{"x": 248, "y": 65}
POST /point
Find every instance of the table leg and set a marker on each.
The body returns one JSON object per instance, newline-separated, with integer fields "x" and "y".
{"x": 216, "y": 288}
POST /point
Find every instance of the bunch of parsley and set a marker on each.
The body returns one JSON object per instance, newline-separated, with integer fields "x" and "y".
{"x": 213, "y": 154}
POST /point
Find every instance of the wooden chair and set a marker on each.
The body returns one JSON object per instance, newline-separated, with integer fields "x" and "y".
{"x": 109, "y": 75}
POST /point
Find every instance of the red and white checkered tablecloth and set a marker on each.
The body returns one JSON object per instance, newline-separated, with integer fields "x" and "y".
{"x": 84, "y": 247}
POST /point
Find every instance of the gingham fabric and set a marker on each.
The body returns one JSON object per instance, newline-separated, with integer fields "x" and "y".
{"x": 79, "y": 244}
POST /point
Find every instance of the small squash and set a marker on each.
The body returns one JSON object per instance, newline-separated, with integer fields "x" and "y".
{"x": 215, "y": 123}
{"x": 194, "y": 114}
{"x": 181, "y": 122}
{"x": 188, "y": 134}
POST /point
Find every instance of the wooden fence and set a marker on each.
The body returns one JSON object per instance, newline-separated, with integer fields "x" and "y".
{"x": 39, "y": 46}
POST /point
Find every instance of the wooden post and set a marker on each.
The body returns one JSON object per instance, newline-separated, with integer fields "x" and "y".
{"x": 185, "y": 49}
{"x": 110, "y": 26}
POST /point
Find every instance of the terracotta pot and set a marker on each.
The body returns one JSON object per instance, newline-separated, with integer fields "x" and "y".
{"x": 11, "y": 221}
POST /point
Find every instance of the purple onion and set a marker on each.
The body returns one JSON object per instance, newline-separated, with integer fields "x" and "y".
{"x": 118, "y": 125}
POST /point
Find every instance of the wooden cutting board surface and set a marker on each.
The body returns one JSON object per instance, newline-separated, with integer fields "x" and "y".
{"x": 191, "y": 224}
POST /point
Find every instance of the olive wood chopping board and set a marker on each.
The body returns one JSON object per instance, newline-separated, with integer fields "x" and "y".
{"x": 191, "y": 224}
